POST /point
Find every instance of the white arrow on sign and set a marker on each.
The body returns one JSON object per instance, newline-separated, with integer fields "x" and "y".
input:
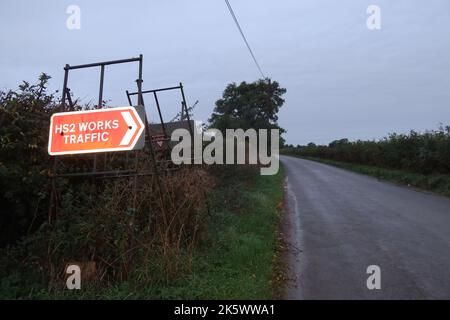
{"x": 132, "y": 125}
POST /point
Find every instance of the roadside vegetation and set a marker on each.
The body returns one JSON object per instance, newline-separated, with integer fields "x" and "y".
{"x": 209, "y": 232}
{"x": 239, "y": 259}
{"x": 418, "y": 159}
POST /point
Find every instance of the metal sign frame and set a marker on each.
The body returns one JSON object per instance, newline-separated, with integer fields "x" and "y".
{"x": 134, "y": 172}
{"x": 184, "y": 109}
{"x": 66, "y": 95}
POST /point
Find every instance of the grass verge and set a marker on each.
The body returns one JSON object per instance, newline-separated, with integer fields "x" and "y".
{"x": 241, "y": 261}
{"x": 435, "y": 183}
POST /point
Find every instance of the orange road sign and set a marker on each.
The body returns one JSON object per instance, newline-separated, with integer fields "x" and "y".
{"x": 102, "y": 130}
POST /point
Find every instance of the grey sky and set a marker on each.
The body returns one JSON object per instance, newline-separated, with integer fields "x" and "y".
{"x": 343, "y": 80}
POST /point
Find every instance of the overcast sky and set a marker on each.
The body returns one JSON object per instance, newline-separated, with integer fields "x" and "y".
{"x": 342, "y": 79}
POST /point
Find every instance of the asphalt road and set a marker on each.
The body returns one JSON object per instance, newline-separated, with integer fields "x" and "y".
{"x": 339, "y": 223}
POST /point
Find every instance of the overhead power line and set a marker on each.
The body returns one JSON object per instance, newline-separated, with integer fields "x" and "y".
{"x": 243, "y": 37}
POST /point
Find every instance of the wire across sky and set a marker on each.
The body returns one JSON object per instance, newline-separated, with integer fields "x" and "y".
{"x": 243, "y": 37}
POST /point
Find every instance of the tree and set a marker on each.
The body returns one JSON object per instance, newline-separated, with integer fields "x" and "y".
{"x": 249, "y": 105}
{"x": 338, "y": 143}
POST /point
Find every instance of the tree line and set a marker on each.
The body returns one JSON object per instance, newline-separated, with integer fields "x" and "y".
{"x": 424, "y": 153}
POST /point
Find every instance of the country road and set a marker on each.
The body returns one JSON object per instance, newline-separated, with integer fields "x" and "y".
{"x": 339, "y": 223}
